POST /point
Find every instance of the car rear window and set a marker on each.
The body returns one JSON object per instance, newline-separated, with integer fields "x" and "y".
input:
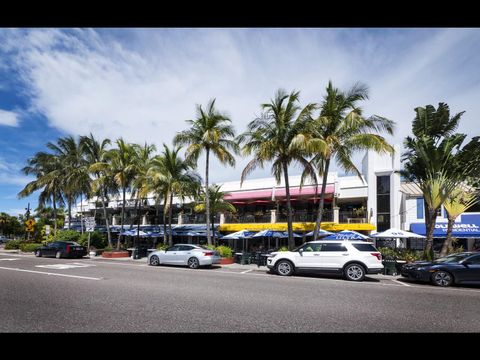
{"x": 364, "y": 247}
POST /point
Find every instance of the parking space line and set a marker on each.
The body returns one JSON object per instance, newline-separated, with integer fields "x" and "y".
{"x": 246, "y": 271}
{"x": 400, "y": 282}
{"x": 53, "y": 274}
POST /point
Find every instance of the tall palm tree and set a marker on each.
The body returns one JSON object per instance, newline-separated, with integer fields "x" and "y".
{"x": 142, "y": 162}
{"x": 177, "y": 178}
{"x": 456, "y": 203}
{"x": 121, "y": 165}
{"x": 48, "y": 171}
{"x": 95, "y": 152}
{"x": 210, "y": 132}
{"x": 435, "y": 160}
{"x": 270, "y": 137}
{"x": 217, "y": 203}
{"x": 338, "y": 132}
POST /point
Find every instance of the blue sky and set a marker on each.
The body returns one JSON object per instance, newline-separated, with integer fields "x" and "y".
{"x": 143, "y": 83}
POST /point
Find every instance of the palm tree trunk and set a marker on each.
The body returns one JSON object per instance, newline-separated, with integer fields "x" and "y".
{"x": 207, "y": 198}
{"x": 318, "y": 223}
{"x": 124, "y": 190}
{"x": 69, "y": 200}
{"x": 165, "y": 199}
{"x": 430, "y": 224}
{"x": 109, "y": 236}
{"x": 447, "y": 244}
{"x": 54, "y": 217}
{"x": 81, "y": 211}
{"x": 170, "y": 212}
{"x": 136, "y": 210}
{"x": 291, "y": 242}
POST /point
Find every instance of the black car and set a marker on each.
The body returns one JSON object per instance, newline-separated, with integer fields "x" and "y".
{"x": 61, "y": 249}
{"x": 460, "y": 268}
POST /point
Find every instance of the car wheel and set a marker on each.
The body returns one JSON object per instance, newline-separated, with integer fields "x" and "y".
{"x": 442, "y": 278}
{"x": 193, "y": 263}
{"x": 154, "y": 260}
{"x": 284, "y": 268}
{"x": 38, "y": 253}
{"x": 58, "y": 255}
{"x": 354, "y": 272}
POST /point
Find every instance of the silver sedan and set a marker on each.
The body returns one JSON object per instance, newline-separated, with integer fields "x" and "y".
{"x": 189, "y": 255}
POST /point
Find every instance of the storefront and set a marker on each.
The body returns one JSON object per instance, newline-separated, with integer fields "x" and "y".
{"x": 466, "y": 230}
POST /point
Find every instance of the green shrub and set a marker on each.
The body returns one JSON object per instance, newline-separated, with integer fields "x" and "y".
{"x": 13, "y": 245}
{"x": 29, "y": 247}
{"x": 162, "y": 246}
{"x": 67, "y": 235}
{"x": 283, "y": 248}
{"x": 97, "y": 240}
{"x": 224, "y": 251}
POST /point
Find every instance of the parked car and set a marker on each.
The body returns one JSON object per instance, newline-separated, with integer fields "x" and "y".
{"x": 352, "y": 259}
{"x": 189, "y": 255}
{"x": 61, "y": 249}
{"x": 460, "y": 268}
{"x": 3, "y": 239}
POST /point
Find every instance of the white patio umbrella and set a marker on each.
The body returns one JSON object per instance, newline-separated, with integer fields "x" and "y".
{"x": 242, "y": 234}
{"x": 394, "y": 233}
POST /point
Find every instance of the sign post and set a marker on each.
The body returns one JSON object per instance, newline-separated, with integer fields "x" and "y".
{"x": 89, "y": 227}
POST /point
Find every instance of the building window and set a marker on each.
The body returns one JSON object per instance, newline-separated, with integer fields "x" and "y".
{"x": 419, "y": 208}
{"x": 383, "y": 203}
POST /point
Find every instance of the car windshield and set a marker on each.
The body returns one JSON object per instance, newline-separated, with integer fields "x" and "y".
{"x": 451, "y": 258}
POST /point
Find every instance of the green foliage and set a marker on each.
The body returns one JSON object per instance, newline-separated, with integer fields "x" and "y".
{"x": 29, "y": 247}
{"x": 97, "y": 240}
{"x": 224, "y": 251}
{"x": 13, "y": 245}
{"x": 283, "y": 248}
{"x": 162, "y": 246}
{"x": 400, "y": 254}
{"x": 67, "y": 235}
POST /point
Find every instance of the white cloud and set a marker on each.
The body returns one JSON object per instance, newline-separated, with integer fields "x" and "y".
{"x": 10, "y": 174}
{"x": 8, "y": 118}
{"x": 143, "y": 85}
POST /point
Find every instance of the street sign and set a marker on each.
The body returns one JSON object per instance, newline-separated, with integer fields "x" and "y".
{"x": 90, "y": 224}
{"x": 30, "y": 222}
{"x": 47, "y": 229}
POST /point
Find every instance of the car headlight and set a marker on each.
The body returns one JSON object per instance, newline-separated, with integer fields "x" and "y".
{"x": 272, "y": 256}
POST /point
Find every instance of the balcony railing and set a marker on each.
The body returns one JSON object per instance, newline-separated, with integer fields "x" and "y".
{"x": 247, "y": 218}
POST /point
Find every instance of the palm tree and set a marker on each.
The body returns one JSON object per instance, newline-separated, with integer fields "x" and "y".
{"x": 435, "y": 160}
{"x": 142, "y": 162}
{"x": 48, "y": 171}
{"x": 217, "y": 203}
{"x": 270, "y": 137}
{"x": 121, "y": 166}
{"x": 210, "y": 132}
{"x": 95, "y": 155}
{"x": 177, "y": 178}
{"x": 457, "y": 203}
{"x": 339, "y": 131}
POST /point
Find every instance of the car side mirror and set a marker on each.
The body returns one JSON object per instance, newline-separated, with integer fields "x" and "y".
{"x": 300, "y": 252}
{"x": 466, "y": 262}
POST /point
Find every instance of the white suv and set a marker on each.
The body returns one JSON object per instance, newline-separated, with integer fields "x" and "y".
{"x": 353, "y": 259}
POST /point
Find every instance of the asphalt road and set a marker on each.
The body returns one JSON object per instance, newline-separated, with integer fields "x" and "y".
{"x": 38, "y": 295}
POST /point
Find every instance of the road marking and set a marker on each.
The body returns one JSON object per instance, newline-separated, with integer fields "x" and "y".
{"x": 244, "y": 272}
{"x": 64, "y": 266}
{"x": 400, "y": 282}
{"x": 53, "y": 274}
{"x": 8, "y": 259}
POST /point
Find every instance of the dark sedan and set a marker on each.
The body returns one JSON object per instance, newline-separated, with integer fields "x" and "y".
{"x": 61, "y": 249}
{"x": 461, "y": 268}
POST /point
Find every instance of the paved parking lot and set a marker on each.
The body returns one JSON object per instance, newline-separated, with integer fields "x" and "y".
{"x": 48, "y": 294}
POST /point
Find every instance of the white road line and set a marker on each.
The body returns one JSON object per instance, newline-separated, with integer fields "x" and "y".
{"x": 244, "y": 272}
{"x": 54, "y": 274}
{"x": 400, "y": 282}
{"x": 8, "y": 259}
